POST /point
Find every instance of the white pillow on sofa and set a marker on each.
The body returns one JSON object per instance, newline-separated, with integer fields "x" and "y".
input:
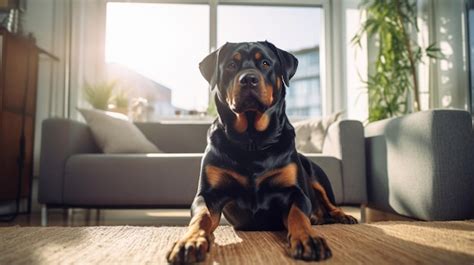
{"x": 310, "y": 133}
{"x": 114, "y": 133}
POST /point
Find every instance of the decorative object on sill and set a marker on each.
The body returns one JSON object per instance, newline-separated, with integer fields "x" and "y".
{"x": 114, "y": 133}
{"x": 99, "y": 95}
{"x": 140, "y": 109}
{"x": 310, "y": 133}
{"x": 393, "y": 85}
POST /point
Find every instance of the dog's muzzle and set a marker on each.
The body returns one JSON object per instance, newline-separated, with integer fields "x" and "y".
{"x": 245, "y": 94}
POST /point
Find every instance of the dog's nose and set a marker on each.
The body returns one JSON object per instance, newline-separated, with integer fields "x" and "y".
{"x": 248, "y": 80}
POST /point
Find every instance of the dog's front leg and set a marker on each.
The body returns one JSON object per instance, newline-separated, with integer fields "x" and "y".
{"x": 304, "y": 243}
{"x": 193, "y": 246}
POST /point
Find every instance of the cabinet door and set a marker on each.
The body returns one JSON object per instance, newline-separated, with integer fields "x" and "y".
{"x": 10, "y": 142}
{"x": 17, "y": 90}
{"x": 15, "y": 61}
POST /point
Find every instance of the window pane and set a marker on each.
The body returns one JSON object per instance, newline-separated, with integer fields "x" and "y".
{"x": 294, "y": 29}
{"x": 154, "y": 51}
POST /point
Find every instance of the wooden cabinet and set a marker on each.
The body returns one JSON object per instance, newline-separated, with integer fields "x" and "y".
{"x": 18, "y": 81}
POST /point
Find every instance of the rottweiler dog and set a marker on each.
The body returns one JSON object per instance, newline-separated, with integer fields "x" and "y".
{"x": 251, "y": 170}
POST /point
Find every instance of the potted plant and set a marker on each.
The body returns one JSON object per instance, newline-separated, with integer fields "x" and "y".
{"x": 393, "y": 85}
{"x": 121, "y": 102}
{"x": 99, "y": 95}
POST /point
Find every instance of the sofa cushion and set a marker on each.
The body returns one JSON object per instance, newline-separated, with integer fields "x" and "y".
{"x": 131, "y": 179}
{"x": 148, "y": 179}
{"x": 113, "y": 133}
{"x": 310, "y": 133}
{"x": 176, "y": 137}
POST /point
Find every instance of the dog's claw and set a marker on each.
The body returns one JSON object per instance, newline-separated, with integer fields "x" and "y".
{"x": 308, "y": 246}
{"x": 347, "y": 219}
{"x": 189, "y": 250}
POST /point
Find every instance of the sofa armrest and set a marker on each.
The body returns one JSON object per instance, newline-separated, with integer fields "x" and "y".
{"x": 421, "y": 165}
{"x": 345, "y": 141}
{"x": 60, "y": 139}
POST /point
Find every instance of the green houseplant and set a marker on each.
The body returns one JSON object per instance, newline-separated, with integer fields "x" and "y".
{"x": 393, "y": 85}
{"x": 121, "y": 102}
{"x": 99, "y": 94}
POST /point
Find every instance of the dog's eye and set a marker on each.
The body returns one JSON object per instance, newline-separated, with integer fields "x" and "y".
{"x": 231, "y": 66}
{"x": 265, "y": 63}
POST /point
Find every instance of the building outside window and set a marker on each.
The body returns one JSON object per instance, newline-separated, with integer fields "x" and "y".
{"x": 304, "y": 95}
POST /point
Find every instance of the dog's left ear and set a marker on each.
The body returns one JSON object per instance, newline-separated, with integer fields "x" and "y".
{"x": 288, "y": 62}
{"x": 209, "y": 68}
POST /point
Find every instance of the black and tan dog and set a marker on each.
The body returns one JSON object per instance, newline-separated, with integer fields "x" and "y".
{"x": 251, "y": 170}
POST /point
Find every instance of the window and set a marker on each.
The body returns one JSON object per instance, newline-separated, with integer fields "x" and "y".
{"x": 153, "y": 51}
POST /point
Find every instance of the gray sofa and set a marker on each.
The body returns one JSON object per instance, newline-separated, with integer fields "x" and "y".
{"x": 74, "y": 173}
{"x": 422, "y": 165}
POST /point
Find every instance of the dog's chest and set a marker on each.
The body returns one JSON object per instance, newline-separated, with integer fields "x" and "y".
{"x": 257, "y": 210}
{"x": 272, "y": 187}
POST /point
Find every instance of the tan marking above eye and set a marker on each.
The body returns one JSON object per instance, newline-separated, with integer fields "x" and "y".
{"x": 237, "y": 56}
{"x": 258, "y": 55}
{"x": 217, "y": 177}
{"x": 283, "y": 177}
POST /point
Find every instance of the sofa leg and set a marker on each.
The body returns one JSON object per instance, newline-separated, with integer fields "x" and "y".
{"x": 363, "y": 213}
{"x": 70, "y": 216}
{"x": 97, "y": 217}
{"x": 44, "y": 215}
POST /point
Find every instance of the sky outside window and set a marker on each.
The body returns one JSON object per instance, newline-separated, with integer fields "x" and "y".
{"x": 289, "y": 28}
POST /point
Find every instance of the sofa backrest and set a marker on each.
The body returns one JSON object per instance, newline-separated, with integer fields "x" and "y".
{"x": 176, "y": 137}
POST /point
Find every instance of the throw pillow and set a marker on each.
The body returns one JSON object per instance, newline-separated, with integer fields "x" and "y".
{"x": 310, "y": 133}
{"x": 114, "y": 133}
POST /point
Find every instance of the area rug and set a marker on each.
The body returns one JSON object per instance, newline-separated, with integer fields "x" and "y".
{"x": 377, "y": 243}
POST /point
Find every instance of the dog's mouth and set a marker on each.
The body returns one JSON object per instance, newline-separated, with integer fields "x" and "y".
{"x": 248, "y": 103}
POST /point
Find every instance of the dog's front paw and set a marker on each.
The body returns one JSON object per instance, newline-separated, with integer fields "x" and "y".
{"x": 342, "y": 218}
{"x": 308, "y": 246}
{"x": 190, "y": 249}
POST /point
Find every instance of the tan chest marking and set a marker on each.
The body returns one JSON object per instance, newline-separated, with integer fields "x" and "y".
{"x": 282, "y": 177}
{"x": 262, "y": 120}
{"x": 218, "y": 177}
{"x": 241, "y": 123}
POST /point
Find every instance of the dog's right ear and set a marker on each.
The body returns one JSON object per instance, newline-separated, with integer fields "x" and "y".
{"x": 209, "y": 68}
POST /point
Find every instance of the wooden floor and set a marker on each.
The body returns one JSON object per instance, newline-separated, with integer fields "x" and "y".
{"x": 84, "y": 217}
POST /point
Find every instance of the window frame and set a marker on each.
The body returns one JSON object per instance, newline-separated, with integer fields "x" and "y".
{"x": 332, "y": 92}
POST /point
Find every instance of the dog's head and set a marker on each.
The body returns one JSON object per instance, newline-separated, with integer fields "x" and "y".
{"x": 250, "y": 79}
